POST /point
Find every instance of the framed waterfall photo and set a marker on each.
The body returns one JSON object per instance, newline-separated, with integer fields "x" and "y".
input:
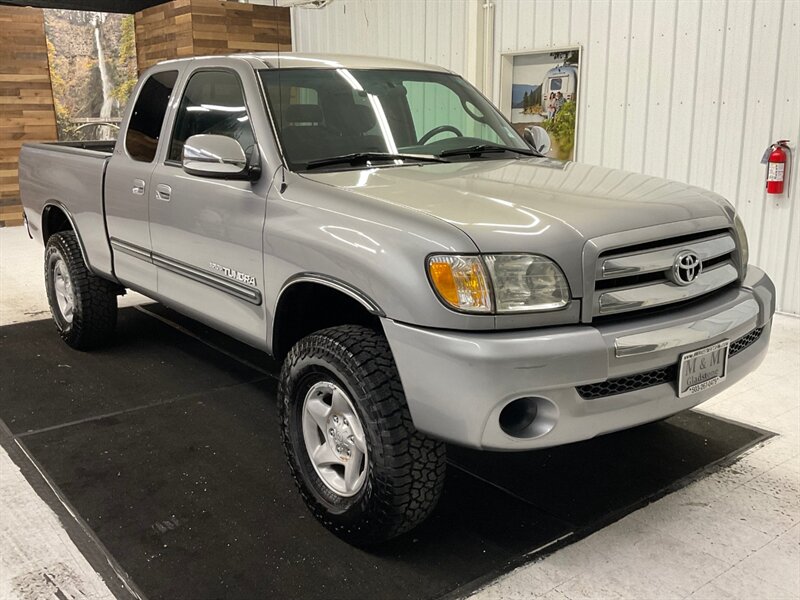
{"x": 541, "y": 89}
{"x": 92, "y": 57}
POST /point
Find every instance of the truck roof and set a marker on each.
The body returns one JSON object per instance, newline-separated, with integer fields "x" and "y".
{"x": 293, "y": 60}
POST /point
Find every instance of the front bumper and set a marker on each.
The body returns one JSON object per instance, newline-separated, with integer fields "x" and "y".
{"x": 456, "y": 383}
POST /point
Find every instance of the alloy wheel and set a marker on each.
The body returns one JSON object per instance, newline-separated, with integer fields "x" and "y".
{"x": 334, "y": 439}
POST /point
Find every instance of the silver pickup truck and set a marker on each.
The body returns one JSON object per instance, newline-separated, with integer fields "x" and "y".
{"x": 423, "y": 272}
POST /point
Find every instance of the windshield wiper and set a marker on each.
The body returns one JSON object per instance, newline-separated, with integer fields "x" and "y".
{"x": 485, "y": 149}
{"x": 362, "y": 158}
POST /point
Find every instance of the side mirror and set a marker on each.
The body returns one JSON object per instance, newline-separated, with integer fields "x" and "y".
{"x": 538, "y": 138}
{"x": 217, "y": 156}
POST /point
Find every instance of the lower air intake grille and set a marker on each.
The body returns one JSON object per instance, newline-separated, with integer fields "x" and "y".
{"x": 629, "y": 383}
{"x": 640, "y": 381}
{"x": 746, "y": 340}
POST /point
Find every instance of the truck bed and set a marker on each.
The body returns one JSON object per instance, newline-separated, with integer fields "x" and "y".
{"x": 68, "y": 176}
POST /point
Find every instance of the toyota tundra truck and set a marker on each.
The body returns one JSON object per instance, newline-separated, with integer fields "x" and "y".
{"x": 424, "y": 273}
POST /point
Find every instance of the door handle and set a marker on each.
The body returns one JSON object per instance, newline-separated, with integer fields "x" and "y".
{"x": 138, "y": 187}
{"x": 163, "y": 192}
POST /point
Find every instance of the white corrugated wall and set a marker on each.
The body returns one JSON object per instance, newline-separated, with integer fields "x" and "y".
{"x": 686, "y": 89}
{"x": 432, "y": 31}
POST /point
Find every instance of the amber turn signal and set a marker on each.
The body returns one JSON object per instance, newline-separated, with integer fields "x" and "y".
{"x": 461, "y": 282}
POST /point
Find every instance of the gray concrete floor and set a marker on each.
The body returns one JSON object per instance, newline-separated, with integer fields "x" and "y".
{"x": 733, "y": 534}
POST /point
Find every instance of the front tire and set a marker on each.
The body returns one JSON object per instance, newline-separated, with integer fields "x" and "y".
{"x": 83, "y": 305}
{"x": 361, "y": 467}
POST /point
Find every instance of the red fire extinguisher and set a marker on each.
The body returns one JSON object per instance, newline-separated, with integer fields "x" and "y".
{"x": 776, "y": 166}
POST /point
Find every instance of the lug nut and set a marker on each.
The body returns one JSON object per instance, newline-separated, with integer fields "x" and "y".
{"x": 335, "y": 419}
{"x": 330, "y": 431}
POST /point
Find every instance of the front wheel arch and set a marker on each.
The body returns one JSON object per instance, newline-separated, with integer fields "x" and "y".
{"x": 308, "y": 304}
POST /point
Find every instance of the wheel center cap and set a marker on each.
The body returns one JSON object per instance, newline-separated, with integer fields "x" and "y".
{"x": 340, "y": 437}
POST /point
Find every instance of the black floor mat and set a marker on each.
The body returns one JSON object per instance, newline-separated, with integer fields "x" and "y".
{"x": 169, "y": 449}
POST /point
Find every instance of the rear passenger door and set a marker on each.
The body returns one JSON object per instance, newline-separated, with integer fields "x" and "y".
{"x": 127, "y": 183}
{"x": 207, "y": 233}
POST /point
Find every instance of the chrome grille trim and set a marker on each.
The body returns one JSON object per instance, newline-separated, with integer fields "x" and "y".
{"x": 641, "y": 241}
{"x": 626, "y": 299}
{"x": 688, "y": 333}
{"x": 662, "y": 259}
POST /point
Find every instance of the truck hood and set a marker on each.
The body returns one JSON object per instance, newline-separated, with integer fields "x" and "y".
{"x": 533, "y": 205}
{"x": 499, "y": 203}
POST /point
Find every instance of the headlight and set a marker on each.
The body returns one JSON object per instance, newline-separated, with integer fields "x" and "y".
{"x": 519, "y": 283}
{"x": 526, "y": 282}
{"x": 461, "y": 283}
{"x": 744, "y": 249}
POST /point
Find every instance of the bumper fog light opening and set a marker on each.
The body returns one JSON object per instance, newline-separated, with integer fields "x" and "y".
{"x": 528, "y": 417}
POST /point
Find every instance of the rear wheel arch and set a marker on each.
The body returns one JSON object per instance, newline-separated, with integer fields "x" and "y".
{"x": 310, "y": 302}
{"x": 55, "y": 219}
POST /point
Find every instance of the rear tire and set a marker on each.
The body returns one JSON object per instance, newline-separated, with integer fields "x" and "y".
{"x": 349, "y": 375}
{"x": 83, "y": 305}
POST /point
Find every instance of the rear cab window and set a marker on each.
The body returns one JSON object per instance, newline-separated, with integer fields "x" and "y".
{"x": 147, "y": 117}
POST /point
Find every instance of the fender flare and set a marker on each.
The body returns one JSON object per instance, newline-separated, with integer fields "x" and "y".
{"x": 337, "y": 284}
{"x": 60, "y": 206}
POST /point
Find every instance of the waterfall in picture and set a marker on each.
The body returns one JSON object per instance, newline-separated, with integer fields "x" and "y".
{"x": 108, "y": 99}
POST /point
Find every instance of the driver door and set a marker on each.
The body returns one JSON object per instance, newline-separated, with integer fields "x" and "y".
{"x": 207, "y": 234}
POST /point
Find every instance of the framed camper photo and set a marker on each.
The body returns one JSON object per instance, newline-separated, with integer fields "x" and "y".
{"x": 540, "y": 89}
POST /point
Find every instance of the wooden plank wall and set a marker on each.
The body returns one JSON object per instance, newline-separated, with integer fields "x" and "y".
{"x": 227, "y": 27}
{"x": 26, "y": 98}
{"x": 163, "y": 32}
{"x": 201, "y": 27}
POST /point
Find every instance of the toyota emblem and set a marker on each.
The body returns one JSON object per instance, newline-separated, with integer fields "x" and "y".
{"x": 686, "y": 268}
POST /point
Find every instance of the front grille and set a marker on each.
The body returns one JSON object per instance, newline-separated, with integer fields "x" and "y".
{"x": 643, "y": 277}
{"x": 640, "y": 381}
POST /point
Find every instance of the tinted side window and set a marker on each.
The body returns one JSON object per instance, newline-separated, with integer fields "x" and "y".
{"x": 141, "y": 139}
{"x": 213, "y": 103}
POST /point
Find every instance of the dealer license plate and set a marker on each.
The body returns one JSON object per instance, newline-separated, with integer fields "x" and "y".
{"x": 703, "y": 368}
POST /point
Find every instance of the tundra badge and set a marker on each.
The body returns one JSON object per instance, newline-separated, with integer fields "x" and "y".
{"x": 233, "y": 274}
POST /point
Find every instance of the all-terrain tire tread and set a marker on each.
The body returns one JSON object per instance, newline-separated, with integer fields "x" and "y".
{"x": 95, "y": 298}
{"x": 408, "y": 467}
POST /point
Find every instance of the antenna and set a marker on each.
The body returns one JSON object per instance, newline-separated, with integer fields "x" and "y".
{"x": 279, "y": 124}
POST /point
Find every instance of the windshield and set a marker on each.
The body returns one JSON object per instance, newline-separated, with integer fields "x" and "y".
{"x": 325, "y": 113}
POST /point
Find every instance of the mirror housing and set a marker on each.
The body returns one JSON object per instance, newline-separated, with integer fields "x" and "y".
{"x": 219, "y": 157}
{"x": 538, "y": 138}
